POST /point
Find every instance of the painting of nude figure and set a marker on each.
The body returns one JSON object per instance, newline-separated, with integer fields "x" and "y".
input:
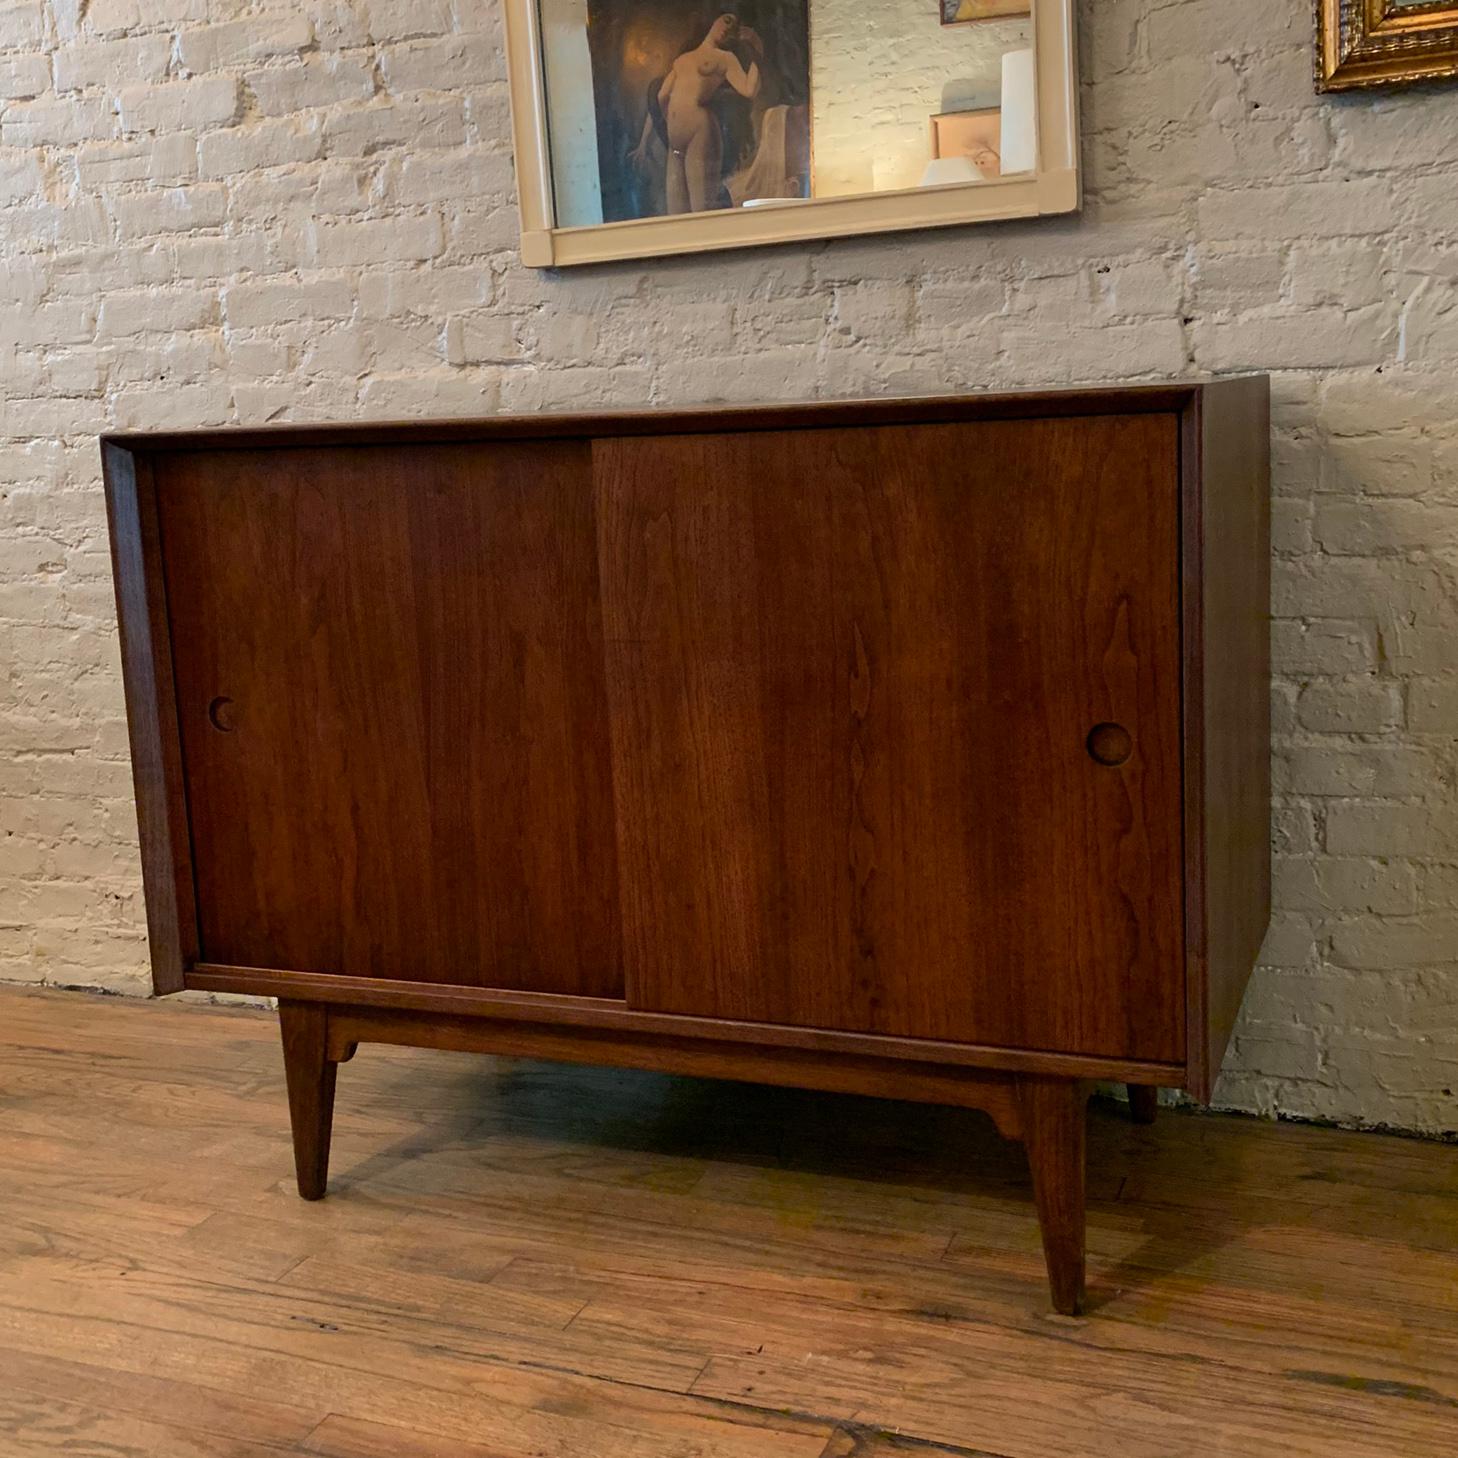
{"x": 699, "y": 106}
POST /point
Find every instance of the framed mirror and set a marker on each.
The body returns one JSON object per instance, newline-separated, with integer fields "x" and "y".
{"x": 652, "y": 127}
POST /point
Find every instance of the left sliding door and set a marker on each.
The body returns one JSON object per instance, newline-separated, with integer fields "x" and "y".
{"x": 389, "y": 683}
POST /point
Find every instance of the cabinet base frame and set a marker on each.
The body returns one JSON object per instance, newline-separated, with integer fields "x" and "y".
{"x": 1046, "y": 1113}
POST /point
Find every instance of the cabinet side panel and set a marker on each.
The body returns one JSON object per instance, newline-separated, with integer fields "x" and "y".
{"x": 852, "y": 677}
{"x": 1228, "y": 567}
{"x": 389, "y": 669}
{"x": 141, "y": 602}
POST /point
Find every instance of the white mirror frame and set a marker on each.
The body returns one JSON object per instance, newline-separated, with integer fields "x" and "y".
{"x": 1053, "y": 188}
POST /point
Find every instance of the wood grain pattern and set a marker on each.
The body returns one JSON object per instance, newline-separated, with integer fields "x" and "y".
{"x": 850, "y": 676}
{"x": 455, "y": 1003}
{"x": 1222, "y": 426}
{"x": 1227, "y": 575}
{"x": 1045, "y": 1113}
{"x": 146, "y": 647}
{"x": 414, "y": 778}
{"x": 837, "y": 1072}
{"x": 1053, "y": 1132}
{"x": 310, "y": 1071}
{"x": 795, "y": 745}
{"x": 539, "y": 1260}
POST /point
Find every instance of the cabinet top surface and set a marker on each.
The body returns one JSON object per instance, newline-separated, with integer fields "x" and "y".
{"x": 1173, "y": 395}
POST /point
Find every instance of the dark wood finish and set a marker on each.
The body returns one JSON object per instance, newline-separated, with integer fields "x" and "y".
{"x": 417, "y": 779}
{"x": 907, "y": 747}
{"x": 146, "y": 648}
{"x": 309, "y": 1069}
{"x": 850, "y": 691}
{"x": 1143, "y": 1103}
{"x": 615, "y": 1016}
{"x": 1227, "y": 577}
{"x": 1052, "y": 1112}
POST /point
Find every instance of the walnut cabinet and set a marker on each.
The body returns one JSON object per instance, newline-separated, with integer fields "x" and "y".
{"x": 917, "y": 748}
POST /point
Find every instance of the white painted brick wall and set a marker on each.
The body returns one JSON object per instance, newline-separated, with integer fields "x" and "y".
{"x": 215, "y": 212}
{"x": 877, "y": 74}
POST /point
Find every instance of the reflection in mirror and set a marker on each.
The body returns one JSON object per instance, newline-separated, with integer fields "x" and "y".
{"x": 658, "y": 107}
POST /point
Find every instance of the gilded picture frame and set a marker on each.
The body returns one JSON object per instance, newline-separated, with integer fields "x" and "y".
{"x": 1366, "y": 43}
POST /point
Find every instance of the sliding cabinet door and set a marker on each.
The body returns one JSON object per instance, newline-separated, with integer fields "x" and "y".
{"x": 389, "y": 682}
{"x": 855, "y": 679}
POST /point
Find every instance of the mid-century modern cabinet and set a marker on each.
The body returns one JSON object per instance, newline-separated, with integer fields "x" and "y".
{"x": 915, "y": 748}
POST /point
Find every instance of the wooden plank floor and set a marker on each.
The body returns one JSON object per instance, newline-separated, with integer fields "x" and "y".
{"x": 528, "y": 1261}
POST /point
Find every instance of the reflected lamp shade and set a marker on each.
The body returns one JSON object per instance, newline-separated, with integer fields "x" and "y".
{"x": 942, "y": 170}
{"x": 1019, "y": 113}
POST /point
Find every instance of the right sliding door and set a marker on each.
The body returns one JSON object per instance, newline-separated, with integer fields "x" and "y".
{"x": 895, "y": 725}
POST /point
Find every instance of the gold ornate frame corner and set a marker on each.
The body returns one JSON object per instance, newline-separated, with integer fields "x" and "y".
{"x": 1366, "y": 43}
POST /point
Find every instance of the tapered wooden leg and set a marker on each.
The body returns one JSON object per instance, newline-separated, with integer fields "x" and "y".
{"x": 310, "y": 1075}
{"x": 1143, "y": 1102}
{"x": 1054, "y": 1113}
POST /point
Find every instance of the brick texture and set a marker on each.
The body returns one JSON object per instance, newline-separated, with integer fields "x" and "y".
{"x": 222, "y": 212}
{"x": 854, "y": 47}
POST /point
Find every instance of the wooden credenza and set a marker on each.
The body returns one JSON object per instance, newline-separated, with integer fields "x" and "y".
{"x": 916, "y": 748}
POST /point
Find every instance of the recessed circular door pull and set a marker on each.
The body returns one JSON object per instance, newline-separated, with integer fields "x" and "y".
{"x": 1110, "y": 743}
{"x": 221, "y": 713}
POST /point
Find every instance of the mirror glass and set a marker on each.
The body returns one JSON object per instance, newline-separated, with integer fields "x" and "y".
{"x": 663, "y": 107}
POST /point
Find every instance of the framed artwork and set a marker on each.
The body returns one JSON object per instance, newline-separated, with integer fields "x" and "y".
{"x": 960, "y": 12}
{"x": 1362, "y": 43}
{"x": 698, "y": 109}
{"x": 974, "y": 134}
{"x": 649, "y": 128}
